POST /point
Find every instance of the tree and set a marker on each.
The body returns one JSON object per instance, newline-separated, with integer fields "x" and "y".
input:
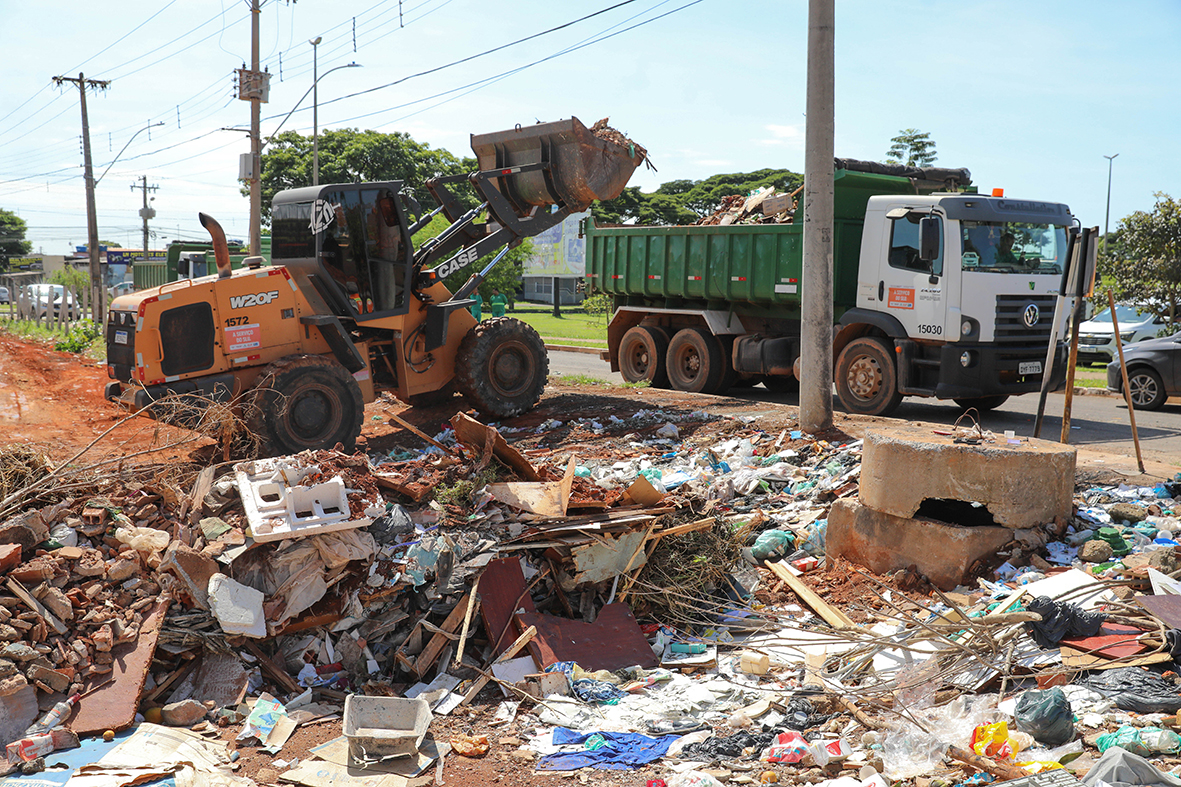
{"x": 352, "y": 156}
{"x": 12, "y": 237}
{"x": 913, "y": 148}
{"x": 1144, "y": 266}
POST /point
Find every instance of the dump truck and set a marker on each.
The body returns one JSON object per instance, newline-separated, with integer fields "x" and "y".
{"x": 349, "y": 309}
{"x": 926, "y": 297}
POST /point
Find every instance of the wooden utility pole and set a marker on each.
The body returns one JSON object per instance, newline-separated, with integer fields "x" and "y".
{"x": 816, "y": 328}
{"x": 145, "y": 212}
{"x": 97, "y": 291}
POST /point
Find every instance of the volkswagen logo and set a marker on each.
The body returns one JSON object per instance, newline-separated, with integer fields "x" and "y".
{"x": 1031, "y": 315}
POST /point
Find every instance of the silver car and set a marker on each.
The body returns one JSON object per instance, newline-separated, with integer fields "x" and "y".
{"x": 38, "y": 300}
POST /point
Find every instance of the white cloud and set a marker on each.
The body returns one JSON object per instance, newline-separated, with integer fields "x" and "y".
{"x": 791, "y": 136}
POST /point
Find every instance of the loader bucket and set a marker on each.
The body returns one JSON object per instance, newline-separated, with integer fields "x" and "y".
{"x": 583, "y": 168}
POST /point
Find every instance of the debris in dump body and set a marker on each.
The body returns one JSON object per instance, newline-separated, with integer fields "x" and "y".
{"x": 762, "y": 206}
{"x": 641, "y": 586}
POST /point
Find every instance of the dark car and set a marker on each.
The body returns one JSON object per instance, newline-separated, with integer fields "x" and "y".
{"x": 1154, "y": 371}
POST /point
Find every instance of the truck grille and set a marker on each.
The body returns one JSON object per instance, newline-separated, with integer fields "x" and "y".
{"x": 121, "y": 344}
{"x": 1015, "y": 340}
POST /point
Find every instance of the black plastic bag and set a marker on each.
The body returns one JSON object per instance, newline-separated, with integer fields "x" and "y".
{"x": 1135, "y": 689}
{"x": 1061, "y": 620}
{"x": 1046, "y": 715}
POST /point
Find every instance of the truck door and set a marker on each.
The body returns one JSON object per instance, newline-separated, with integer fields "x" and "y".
{"x": 912, "y": 289}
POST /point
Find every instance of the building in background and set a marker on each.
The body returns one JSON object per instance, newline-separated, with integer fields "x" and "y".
{"x": 559, "y": 257}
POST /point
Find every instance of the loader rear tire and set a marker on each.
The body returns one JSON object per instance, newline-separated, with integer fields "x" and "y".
{"x": 641, "y": 356}
{"x": 501, "y": 367}
{"x": 306, "y": 402}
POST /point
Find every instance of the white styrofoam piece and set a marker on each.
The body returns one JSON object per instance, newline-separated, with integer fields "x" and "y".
{"x": 237, "y": 607}
{"x": 277, "y": 506}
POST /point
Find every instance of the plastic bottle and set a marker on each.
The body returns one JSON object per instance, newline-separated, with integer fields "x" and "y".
{"x": 53, "y": 718}
{"x": 1158, "y": 740}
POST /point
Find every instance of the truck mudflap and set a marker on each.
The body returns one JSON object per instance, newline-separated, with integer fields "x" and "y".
{"x": 993, "y": 371}
{"x": 172, "y": 402}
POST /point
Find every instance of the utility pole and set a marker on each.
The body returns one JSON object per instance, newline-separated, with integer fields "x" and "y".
{"x": 254, "y": 86}
{"x": 145, "y": 212}
{"x": 97, "y": 305}
{"x": 816, "y": 328}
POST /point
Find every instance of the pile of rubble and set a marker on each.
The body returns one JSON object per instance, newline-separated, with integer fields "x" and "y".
{"x": 762, "y": 206}
{"x": 654, "y": 589}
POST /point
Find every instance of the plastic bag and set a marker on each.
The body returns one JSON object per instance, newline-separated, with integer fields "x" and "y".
{"x": 1127, "y": 738}
{"x": 1046, "y": 715}
{"x": 992, "y": 740}
{"x": 64, "y": 535}
{"x": 814, "y": 544}
{"x": 788, "y": 747}
{"x": 1135, "y": 689}
{"x": 1061, "y": 620}
{"x": 1158, "y": 740}
{"x": 771, "y": 543}
{"x": 693, "y": 779}
{"x": 143, "y": 539}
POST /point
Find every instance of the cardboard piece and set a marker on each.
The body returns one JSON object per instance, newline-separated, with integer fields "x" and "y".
{"x": 474, "y": 434}
{"x": 544, "y": 498}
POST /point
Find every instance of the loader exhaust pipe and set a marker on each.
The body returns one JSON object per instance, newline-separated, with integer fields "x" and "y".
{"x": 221, "y": 250}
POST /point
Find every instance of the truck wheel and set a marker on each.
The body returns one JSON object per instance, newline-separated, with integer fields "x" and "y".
{"x": 867, "y": 382}
{"x": 641, "y": 356}
{"x": 306, "y": 401}
{"x": 1147, "y": 389}
{"x": 501, "y": 367}
{"x": 694, "y": 361}
{"x": 729, "y": 374}
{"x": 984, "y": 403}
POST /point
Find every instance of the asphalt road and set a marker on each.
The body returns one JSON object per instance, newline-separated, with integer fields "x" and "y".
{"x": 1099, "y": 422}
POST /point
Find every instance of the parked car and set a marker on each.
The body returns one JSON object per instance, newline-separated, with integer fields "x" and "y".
{"x": 122, "y": 288}
{"x": 1096, "y": 336}
{"x": 37, "y": 300}
{"x": 1154, "y": 372}
{"x": 4, "y": 297}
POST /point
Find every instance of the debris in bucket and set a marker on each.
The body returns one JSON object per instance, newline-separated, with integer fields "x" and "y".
{"x": 662, "y": 589}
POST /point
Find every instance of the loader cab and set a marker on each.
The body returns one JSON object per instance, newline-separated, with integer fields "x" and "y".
{"x": 349, "y": 245}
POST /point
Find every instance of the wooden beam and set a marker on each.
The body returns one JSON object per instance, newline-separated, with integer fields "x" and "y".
{"x": 478, "y": 685}
{"x": 833, "y": 616}
{"x": 272, "y": 668}
{"x": 422, "y": 435}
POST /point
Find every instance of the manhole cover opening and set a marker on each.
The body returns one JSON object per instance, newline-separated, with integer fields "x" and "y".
{"x": 956, "y": 512}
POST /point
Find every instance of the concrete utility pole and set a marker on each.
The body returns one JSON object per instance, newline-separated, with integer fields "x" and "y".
{"x": 97, "y": 305}
{"x": 255, "y": 141}
{"x": 145, "y": 212}
{"x": 816, "y": 328}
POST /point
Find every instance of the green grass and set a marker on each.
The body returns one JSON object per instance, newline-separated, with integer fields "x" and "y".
{"x": 578, "y": 379}
{"x": 571, "y": 325}
{"x": 95, "y": 349}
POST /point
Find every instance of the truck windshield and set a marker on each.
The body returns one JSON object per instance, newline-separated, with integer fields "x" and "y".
{"x": 1012, "y": 247}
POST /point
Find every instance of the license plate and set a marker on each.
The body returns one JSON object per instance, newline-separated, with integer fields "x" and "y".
{"x": 1030, "y": 367}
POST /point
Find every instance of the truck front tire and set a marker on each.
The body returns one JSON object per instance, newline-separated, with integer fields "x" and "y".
{"x": 501, "y": 367}
{"x": 694, "y": 361}
{"x": 642, "y": 356}
{"x": 867, "y": 380}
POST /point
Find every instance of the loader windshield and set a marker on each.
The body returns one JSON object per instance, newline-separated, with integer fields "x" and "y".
{"x": 1012, "y": 247}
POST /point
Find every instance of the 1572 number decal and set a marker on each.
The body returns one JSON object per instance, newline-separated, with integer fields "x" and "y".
{"x": 934, "y": 330}
{"x": 235, "y": 321}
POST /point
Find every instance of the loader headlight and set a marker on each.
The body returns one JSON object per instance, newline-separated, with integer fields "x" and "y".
{"x": 966, "y": 358}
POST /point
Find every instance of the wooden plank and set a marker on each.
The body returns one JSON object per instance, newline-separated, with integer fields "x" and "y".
{"x": 512, "y": 650}
{"x": 269, "y": 666}
{"x": 422, "y": 435}
{"x": 36, "y": 606}
{"x": 687, "y": 527}
{"x": 833, "y": 616}
{"x": 426, "y": 659}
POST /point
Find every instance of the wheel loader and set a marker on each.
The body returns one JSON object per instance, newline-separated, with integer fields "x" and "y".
{"x": 350, "y": 309}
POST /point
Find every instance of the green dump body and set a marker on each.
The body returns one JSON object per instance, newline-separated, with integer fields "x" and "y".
{"x": 155, "y": 274}
{"x": 751, "y": 269}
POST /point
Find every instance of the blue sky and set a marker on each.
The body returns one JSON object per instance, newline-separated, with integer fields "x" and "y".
{"x": 1029, "y": 96}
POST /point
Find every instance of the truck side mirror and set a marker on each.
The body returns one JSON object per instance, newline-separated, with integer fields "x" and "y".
{"x": 929, "y": 238}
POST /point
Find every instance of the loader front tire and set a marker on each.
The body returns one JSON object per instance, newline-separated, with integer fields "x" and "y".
{"x": 501, "y": 367}
{"x": 305, "y": 402}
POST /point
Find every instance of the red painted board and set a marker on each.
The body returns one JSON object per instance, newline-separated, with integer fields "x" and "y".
{"x": 501, "y": 591}
{"x": 612, "y": 642}
{"x": 1112, "y": 641}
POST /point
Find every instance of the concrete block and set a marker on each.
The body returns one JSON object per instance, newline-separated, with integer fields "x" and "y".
{"x": 883, "y": 543}
{"x": 1022, "y": 486}
{"x": 237, "y": 607}
{"x": 192, "y": 568}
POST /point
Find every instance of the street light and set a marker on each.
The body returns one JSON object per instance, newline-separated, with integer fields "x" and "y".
{"x": 315, "y": 42}
{"x": 120, "y": 153}
{"x": 275, "y": 133}
{"x": 1107, "y": 218}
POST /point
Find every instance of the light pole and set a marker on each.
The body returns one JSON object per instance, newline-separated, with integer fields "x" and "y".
{"x": 315, "y": 42}
{"x": 275, "y": 133}
{"x": 1107, "y": 218}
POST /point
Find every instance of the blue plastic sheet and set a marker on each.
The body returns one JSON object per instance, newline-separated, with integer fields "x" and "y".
{"x": 624, "y": 750}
